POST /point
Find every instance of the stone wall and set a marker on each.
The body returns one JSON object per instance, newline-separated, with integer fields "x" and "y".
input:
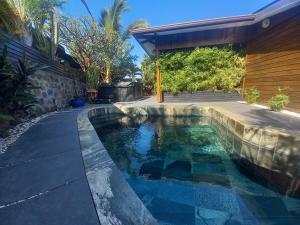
{"x": 55, "y": 91}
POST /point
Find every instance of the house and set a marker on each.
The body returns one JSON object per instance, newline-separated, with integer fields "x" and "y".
{"x": 271, "y": 36}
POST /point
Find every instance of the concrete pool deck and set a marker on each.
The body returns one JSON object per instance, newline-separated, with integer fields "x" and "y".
{"x": 43, "y": 176}
{"x": 252, "y": 115}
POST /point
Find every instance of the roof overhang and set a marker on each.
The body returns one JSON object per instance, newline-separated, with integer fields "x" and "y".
{"x": 229, "y": 30}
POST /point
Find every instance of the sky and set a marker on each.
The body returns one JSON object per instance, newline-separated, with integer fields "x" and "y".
{"x": 161, "y": 12}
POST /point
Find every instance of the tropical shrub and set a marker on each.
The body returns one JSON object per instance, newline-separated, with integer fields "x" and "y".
{"x": 92, "y": 78}
{"x": 148, "y": 75}
{"x": 279, "y": 101}
{"x": 16, "y": 98}
{"x": 252, "y": 95}
{"x": 208, "y": 68}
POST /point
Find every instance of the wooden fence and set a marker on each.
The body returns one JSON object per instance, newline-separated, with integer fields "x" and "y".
{"x": 17, "y": 50}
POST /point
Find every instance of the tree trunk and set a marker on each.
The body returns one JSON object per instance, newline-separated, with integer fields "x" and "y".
{"x": 54, "y": 35}
{"x": 107, "y": 74}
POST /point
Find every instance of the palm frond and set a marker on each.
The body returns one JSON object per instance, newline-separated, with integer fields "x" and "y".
{"x": 111, "y": 17}
{"x": 9, "y": 20}
{"x": 135, "y": 25}
{"x": 87, "y": 7}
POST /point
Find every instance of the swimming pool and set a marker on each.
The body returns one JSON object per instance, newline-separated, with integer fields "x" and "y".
{"x": 185, "y": 172}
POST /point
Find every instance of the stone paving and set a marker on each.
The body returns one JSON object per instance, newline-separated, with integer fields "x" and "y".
{"x": 43, "y": 180}
{"x": 250, "y": 114}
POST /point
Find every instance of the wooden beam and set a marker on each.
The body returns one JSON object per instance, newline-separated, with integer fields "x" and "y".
{"x": 159, "y": 95}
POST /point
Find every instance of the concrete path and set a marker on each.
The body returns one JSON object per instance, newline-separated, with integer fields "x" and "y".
{"x": 251, "y": 114}
{"x": 42, "y": 177}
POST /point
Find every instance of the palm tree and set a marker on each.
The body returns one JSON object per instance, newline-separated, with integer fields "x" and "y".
{"x": 20, "y": 11}
{"x": 110, "y": 21}
{"x": 134, "y": 71}
{"x": 30, "y": 18}
{"x": 9, "y": 21}
{"x": 87, "y": 7}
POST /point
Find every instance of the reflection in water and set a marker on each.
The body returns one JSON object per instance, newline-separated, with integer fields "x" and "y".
{"x": 191, "y": 170}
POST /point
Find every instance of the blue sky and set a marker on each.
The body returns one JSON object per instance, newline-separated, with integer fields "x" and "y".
{"x": 159, "y": 12}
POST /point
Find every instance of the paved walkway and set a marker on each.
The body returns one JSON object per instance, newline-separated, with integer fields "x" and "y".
{"x": 42, "y": 177}
{"x": 251, "y": 114}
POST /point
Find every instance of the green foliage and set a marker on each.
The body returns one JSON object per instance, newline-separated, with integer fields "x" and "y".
{"x": 252, "y": 95}
{"x": 30, "y": 20}
{"x": 279, "y": 101}
{"x": 115, "y": 37}
{"x": 202, "y": 69}
{"x": 111, "y": 19}
{"x": 102, "y": 46}
{"x": 148, "y": 73}
{"x": 15, "y": 87}
{"x": 8, "y": 20}
{"x": 40, "y": 42}
{"x": 92, "y": 78}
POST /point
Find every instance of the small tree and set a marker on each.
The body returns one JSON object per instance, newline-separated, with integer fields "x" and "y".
{"x": 80, "y": 39}
{"x": 115, "y": 37}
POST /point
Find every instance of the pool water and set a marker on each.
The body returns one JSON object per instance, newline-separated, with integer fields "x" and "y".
{"x": 181, "y": 171}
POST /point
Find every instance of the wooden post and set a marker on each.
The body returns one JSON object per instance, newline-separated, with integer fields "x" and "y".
{"x": 159, "y": 95}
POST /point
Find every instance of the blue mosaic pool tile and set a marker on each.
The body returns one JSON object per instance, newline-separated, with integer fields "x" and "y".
{"x": 152, "y": 170}
{"x": 217, "y": 198}
{"x": 178, "y": 192}
{"x": 214, "y": 168}
{"x": 211, "y": 216}
{"x": 179, "y": 170}
{"x": 172, "y": 212}
{"x": 206, "y": 158}
{"x": 266, "y": 207}
{"x": 212, "y": 178}
{"x": 142, "y": 186}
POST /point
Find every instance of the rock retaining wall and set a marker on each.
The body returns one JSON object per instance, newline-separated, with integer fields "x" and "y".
{"x": 55, "y": 91}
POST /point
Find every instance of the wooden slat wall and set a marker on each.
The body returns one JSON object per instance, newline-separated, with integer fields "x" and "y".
{"x": 273, "y": 60}
{"x": 17, "y": 50}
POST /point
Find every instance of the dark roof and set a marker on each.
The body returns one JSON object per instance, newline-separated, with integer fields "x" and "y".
{"x": 237, "y": 29}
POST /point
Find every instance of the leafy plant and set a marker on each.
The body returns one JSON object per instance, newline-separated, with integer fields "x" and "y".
{"x": 208, "y": 68}
{"x": 148, "y": 75}
{"x": 15, "y": 87}
{"x": 92, "y": 78}
{"x": 9, "y": 22}
{"x": 31, "y": 20}
{"x": 252, "y": 95}
{"x": 279, "y": 101}
{"x": 77, "y": 97}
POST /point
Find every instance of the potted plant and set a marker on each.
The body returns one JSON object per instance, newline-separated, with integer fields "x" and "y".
{"x": 77, "y": 101}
